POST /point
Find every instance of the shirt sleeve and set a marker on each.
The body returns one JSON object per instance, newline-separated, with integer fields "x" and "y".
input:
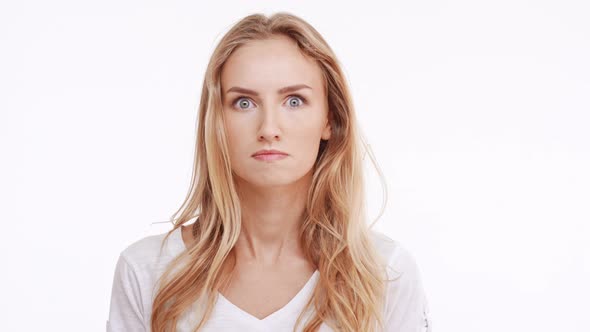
{"x": 406, "y": 306}
{"x": 125, "y": 313}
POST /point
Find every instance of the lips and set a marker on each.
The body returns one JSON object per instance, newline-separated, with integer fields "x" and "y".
{"x": 269, "y": 152}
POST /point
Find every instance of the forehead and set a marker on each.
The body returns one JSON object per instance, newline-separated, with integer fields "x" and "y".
{"x": 267, "y": 65}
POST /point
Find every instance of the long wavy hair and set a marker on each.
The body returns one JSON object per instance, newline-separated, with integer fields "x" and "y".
{"x": 334, "y": 235}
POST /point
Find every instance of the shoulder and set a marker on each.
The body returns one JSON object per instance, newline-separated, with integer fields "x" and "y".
{"x": 139, "y": 265}
{"x": 398, "y": 258}
{"x": 143, "y": 248}
{"x": 150, "y": 251}
{"x": 406, "y": 304}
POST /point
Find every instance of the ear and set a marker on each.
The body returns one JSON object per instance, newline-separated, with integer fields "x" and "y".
{"x": 327, "y": 132}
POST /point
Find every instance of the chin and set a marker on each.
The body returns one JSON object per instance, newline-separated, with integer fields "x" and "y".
{"x": 267, "y": 179}
{"x": 270, "y": 182}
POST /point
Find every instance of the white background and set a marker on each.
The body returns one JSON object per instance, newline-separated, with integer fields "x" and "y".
{"x": 477, "y": 112}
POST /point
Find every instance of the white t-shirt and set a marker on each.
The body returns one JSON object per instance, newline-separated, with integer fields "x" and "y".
{"x": 141, "y": 264}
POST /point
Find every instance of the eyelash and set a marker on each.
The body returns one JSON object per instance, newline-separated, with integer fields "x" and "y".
{"x": 303, "y": 101}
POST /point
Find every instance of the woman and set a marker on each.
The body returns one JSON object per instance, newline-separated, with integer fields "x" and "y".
{"x": 279, "y": 240}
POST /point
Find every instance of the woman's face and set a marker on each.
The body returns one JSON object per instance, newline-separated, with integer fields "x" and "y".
{"x": 273, "y": 98}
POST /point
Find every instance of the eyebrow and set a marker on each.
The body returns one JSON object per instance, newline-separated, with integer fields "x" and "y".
{"x": 286, "y": 89}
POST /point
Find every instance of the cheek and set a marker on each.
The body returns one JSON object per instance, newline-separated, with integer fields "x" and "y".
{"x": 234, "y": 132}
{"x": 306, "y": 140}
{"x": 307, "y": 130}
{"x": 234, "y": 125}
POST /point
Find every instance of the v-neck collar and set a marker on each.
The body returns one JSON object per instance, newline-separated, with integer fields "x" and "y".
{"x": 289, "y": 311}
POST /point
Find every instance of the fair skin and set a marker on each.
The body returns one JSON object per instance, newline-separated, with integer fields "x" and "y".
{"x": 270, "y": 266}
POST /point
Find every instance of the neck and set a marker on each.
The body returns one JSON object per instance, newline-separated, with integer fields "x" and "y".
{"x": 271, "y": 220}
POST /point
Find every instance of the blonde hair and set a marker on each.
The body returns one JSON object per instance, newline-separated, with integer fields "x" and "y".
{"x": 349, "y": 295}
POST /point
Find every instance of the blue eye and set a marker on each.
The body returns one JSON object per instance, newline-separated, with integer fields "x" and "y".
{"x": 291, "y": 104}
{"x": 243, "y": 101}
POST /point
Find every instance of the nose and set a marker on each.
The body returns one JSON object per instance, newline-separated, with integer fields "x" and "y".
{"x": 269, "y": 129}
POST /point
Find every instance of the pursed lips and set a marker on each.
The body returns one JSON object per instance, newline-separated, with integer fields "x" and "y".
{"x": 269, "y": 152}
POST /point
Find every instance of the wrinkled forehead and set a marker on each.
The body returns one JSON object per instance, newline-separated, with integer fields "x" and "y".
{"x": 267, "y": 65}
